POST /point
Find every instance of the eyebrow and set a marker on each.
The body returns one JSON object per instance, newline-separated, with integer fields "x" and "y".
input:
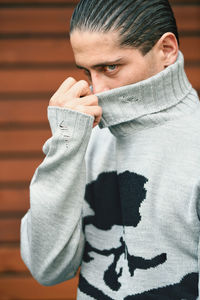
{"x": 103, "y": 64}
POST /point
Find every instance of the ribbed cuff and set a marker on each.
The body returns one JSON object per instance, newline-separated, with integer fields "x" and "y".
{"x": 70, "y": 123}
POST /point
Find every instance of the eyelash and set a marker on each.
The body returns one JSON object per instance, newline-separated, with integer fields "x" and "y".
{"x": 110, "y": 66}
{"x": 103, "y": 68}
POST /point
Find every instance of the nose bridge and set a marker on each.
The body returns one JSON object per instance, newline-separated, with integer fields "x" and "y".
{"x": 98, "y": 82}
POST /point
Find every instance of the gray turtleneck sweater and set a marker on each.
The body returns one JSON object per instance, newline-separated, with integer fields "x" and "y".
{"x": 122, "y": 201}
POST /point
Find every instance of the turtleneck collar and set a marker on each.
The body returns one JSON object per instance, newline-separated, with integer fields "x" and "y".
{"x": 142, "y": 104}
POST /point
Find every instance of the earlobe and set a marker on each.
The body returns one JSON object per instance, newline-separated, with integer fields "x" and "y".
{"x": 169, "y": 46}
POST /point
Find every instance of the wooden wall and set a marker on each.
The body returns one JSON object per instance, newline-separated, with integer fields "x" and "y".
{"x": 35, "y": 57}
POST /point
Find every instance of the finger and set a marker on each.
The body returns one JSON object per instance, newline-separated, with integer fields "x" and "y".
{"x": 66, "y": 85}
{"x": 91, "y": 100}
{"x": 95, "y": 111}
{"x": 79, "y": 89}
{"x": 97, "y": 119}
{"x": 56, "y": 99}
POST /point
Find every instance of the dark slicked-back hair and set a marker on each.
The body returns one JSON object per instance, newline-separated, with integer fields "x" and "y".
{"x": 140, "y": 23}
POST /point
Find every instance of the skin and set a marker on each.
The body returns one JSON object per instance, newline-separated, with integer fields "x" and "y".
{"x": 109, "y": 65}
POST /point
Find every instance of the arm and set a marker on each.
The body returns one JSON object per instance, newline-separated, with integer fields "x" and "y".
{"x": 52, "y": 240}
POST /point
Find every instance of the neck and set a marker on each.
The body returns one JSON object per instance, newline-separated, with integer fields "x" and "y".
{"x": 146, "y": 103}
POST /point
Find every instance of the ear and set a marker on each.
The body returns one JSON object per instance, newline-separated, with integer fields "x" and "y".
{"x": 168, "y": 47}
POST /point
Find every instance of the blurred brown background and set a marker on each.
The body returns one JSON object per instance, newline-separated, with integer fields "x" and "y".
{"x": 35, "y": 57}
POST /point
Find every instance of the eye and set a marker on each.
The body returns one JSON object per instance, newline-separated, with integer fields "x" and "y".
{"x": 110, "y": 68}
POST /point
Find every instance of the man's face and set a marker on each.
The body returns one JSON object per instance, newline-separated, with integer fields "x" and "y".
{"x": 109, "y": 65}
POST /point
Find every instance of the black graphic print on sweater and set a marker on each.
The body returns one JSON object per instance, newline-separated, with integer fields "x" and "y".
{"x": 186, "y": 289}
{"x": 116, "y": 200}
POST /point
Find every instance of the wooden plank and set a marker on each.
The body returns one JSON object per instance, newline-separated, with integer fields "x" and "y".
{"x": 29, "y": 289}
{"x": 187, "y": 17}
{"x": 187, "y": 2}
{"x": 23, "y": 140}
{"x": 17, "y": 170}
{"x": 30, "y": 110}
{"x": 36, "y": 51}
{"x": 27, "y": 2}
{"x": 58, "y": 2}
{"x": 11, "y": 261}
{"x": 55, "y": 51}
{"x": 193, "y": 74}
{"x": 50, "y": 80}
{"x": 76, "y": 1}
{"x": 16, "y": 200}
{"x": 56, "y": 20}
{"x": 42, "y": 80}
{"x": 35, "y": 20}
{"x": 10, "y": 230}
{"x": 190, "y": 47}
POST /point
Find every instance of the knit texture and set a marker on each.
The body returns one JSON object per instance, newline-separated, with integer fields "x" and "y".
{"x": 121, "y": 201}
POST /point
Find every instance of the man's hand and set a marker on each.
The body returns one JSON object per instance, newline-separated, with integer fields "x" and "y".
{"x": 76, "y": 95}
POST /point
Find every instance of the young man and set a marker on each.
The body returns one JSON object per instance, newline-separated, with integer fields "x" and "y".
{"x": 121, "y": 201}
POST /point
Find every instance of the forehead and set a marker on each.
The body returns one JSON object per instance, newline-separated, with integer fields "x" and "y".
{"x": 91, "y": 47}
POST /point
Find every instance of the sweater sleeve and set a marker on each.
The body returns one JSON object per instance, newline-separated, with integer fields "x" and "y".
{"x": 52, "y": 240}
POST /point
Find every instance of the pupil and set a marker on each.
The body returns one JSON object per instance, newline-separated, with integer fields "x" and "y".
{"x": 112, "y": 67}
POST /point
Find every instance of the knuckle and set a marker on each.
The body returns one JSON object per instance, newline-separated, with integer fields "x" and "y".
{"x": 71, "y": 80}
{"x": 93, "y": 99}
{"x": 84, "y": 83}
{"x": 56, "y": 100}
